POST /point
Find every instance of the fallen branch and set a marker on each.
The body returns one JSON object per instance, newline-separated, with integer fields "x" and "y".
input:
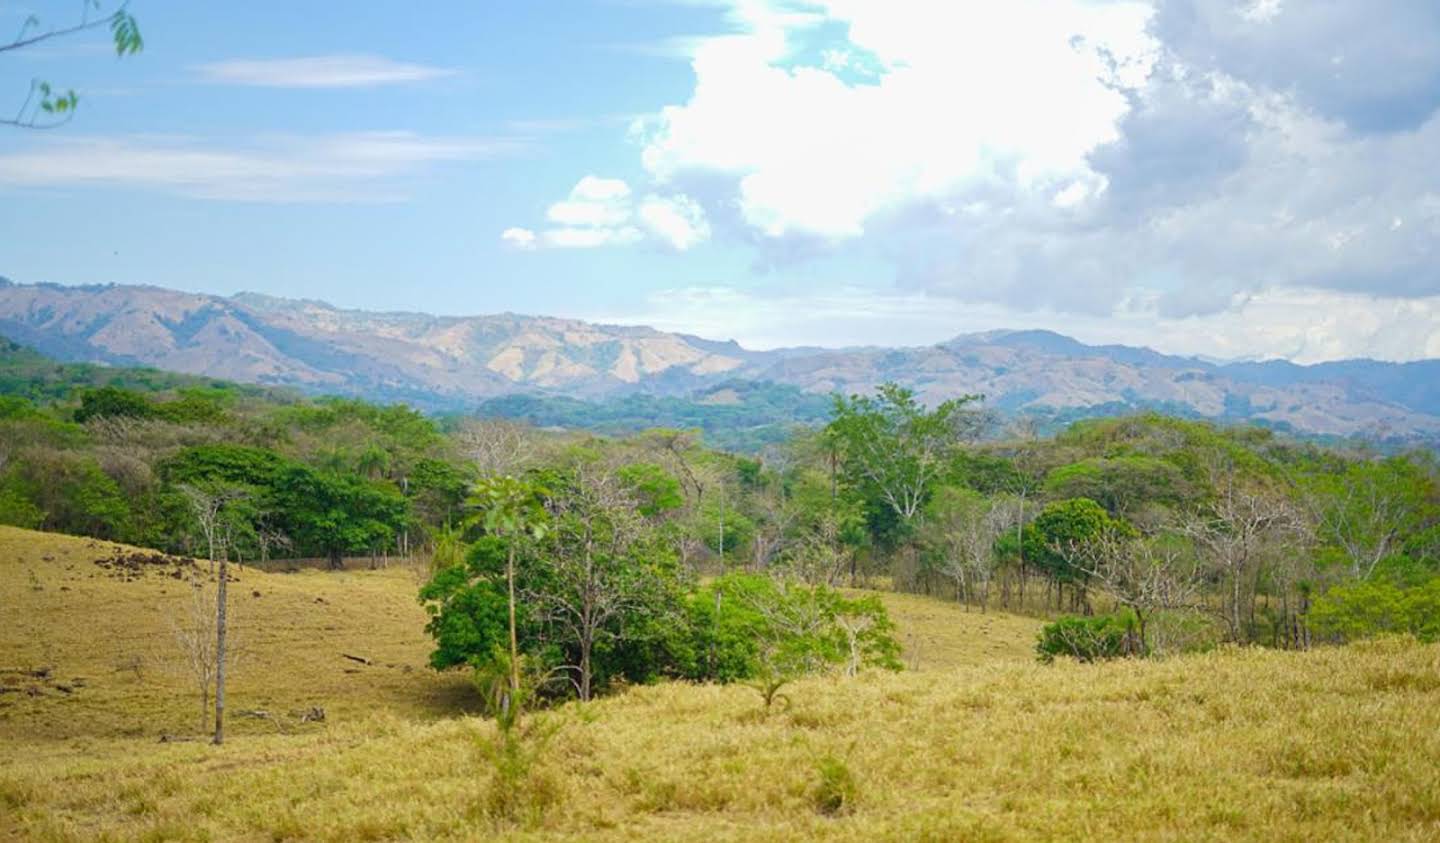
{"x": 360, "y": 659}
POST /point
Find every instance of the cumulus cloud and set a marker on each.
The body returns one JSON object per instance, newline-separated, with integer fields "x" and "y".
{"x": 1076, "y": 157}
{"x": 1012, "y": 97}
{"x": 341, "y": 71}
{"x": 605, "y": 212}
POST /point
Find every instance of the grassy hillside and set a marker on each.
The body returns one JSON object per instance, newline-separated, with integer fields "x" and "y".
{"x": 978, "y": 743}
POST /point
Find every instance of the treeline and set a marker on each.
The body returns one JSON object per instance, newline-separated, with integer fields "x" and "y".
{"x": 300, "y": 478}
{"x": 1155, "y": 534}
{"x": 741, "y": 416}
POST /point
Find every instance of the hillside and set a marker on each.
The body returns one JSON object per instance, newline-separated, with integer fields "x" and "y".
{"x": 981, "y": 743}
{"x": 455, "y": 362}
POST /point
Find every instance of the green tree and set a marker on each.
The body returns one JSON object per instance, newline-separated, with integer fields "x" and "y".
{"x": 1121, "y": 484}
{"x": 337, "y": 514}
{"x": 1058, "y": 536}
{"x": 510, "y": 509}
{"x": 112, "y": 402}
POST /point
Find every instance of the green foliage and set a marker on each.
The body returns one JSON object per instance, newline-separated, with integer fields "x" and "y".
{"x": 745, "y": 627}
{"x": 113, "y": 402}
{"x": 657, "y": 490}
{"x": 739, "y": 416}
{"x": 1121, "y": 484}
{"x": 66, "y": 490}
{"x": 337, "y": 514}
{"x": 1089, "y": 639}
{"x": 835, "y": 790}
{"x": 1061, "y": 527}
{"x": 1366, "y": 608}
{"x": 468, "y": 612}
{"x": 893, "y": 451}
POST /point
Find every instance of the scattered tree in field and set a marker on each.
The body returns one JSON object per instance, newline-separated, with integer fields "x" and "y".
{"x": 896, "y": 449}
{"x": 510, "y": 510}
{"x": 1059, "y": 534}
{"x": 599, "y": 570}
{"x": 213, "y": 513}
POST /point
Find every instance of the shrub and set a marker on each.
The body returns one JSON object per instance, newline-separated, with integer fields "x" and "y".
{"x": 1089, "y": 639}
{"x": 834, "y": 794}
{"x": 1367, "y": 608}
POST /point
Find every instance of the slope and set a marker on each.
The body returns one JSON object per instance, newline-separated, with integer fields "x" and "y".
{"x": 1336, "y": 744}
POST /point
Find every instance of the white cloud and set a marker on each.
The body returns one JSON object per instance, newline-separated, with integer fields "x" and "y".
{"x": 338, "y": 71}
{"x": 520, "y": 238}
{"x": 604, "y": 212}
{"x": 594, "y": 202}
{"x": 677, "y": 220}
{"x": 361, "y": 166}
{"x": 1304, "y": 325}
{"x": 1008, "y": 96}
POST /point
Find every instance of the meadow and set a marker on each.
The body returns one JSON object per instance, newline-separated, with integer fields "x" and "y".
{"x": 976, "y": 742}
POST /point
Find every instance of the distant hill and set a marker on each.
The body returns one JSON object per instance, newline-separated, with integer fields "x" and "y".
{"x": 457, "y": 363}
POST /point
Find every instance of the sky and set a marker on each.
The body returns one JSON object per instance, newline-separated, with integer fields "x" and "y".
{"x": 1228, "y": 178}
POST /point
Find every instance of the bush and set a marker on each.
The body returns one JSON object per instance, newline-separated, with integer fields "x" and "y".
{"x": 1368, "y": 608}
{"x": 835, "y": 792}
{"x": 1089, "y": 639}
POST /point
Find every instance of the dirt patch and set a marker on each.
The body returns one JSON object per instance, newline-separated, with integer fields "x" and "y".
{"x": 132, "y": 565}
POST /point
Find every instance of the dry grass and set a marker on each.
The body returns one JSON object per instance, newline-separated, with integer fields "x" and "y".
{"x": 60, "y": 610}
{"x": 1330, "y": 745}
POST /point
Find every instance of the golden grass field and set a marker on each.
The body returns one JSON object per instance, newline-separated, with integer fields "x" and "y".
{"x": 977, "y": 743}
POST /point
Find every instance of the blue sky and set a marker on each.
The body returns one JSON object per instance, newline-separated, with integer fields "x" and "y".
{"x": 1223, "y": 177}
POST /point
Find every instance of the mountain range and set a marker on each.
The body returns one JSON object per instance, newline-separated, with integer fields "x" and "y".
{"x": 457, "y": 362}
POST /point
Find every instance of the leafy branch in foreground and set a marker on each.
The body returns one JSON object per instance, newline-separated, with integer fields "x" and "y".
{"x": 45, "y": 106}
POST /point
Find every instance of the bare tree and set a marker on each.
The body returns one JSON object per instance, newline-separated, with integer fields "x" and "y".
{"x": 194, "y": 628}
{"x": 1144, "y": 575}
{"x": 210, "y": 509}
{"x": 497, "y": 446}
{"x": 1243, "y": 522}
{"x": 773, "y": 534}
{"x": 964, "y": 527}
{"x": 822, "y": 558}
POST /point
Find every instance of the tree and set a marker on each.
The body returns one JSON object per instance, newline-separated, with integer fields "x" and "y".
{"x": 497, "y": 447}
{"x": 892, "y": 451}
{"x": 337, "y": 513}
{"x": 211, "y": 510}
{"x": 510, "y": 510}
{"x": 194, "y": 630}
{"x": 1060, "y": 532}
{"x": 1145, "y": 575}
{"x": 113, "y": 402}
{"x": 1367, "y": 509}
{"x": 895, "y": 448}
{"x": 1120, "y": 484}
{"x": 769, "y": 633}
{"x": 1243, "y": 521}
{"x": 602, "y": 575}
{"x": 46, "y": 107}
{"x": 962, "y": 527}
